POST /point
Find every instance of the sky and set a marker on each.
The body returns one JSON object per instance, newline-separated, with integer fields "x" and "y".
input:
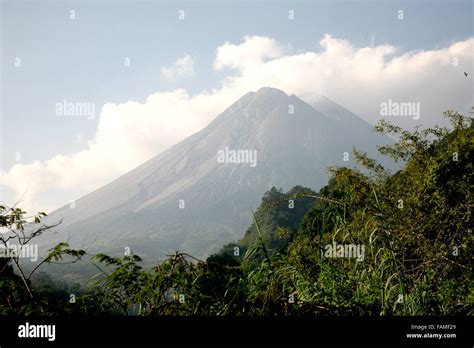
{"x": 156, "y": 72}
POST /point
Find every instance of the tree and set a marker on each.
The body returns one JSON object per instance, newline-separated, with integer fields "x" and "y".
{"x": 19, "y": 233}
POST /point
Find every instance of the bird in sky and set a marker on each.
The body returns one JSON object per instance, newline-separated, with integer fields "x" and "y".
{"x": 465, "y": 74}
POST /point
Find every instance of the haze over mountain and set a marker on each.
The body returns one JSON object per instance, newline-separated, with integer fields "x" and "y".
{"x": 186, "y": 199}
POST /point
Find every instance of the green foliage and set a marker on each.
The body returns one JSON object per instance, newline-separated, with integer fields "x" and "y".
{"x": 277, "y": 218}
{"x": 169, "y": 288}
{"x": 17, "y": 294}
{"x": 416, "y": 226}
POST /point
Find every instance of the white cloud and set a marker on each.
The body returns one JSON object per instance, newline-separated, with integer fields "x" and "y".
{"x": 253, "y": 51}
{"x": 184, "y": 66}
{"x": 358, "y": 78}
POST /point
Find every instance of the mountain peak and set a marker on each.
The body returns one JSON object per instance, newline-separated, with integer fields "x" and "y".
{"x": 270, "y": 92}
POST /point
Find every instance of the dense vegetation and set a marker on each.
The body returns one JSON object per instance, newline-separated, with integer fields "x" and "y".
{"x": 413, "y": 229}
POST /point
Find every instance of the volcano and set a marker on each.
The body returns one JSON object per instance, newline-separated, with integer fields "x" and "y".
{"x": 198, "y": 195}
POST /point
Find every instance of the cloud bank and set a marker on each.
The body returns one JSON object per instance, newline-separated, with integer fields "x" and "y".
{"x": 359, "y": 78}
